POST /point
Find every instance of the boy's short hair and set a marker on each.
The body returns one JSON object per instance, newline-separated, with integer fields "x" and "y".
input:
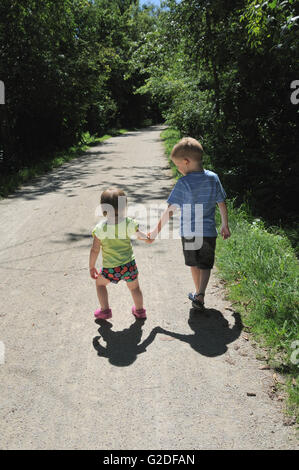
{"x": 187, "y": 148}
{"x": 111, "y": 197}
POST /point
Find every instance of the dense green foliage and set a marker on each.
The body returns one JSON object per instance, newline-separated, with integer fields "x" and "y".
{"x": 217, "y": 70}
{"x": 64, "y": 67}
{"x": 261, "y": 274}
{"x": 222, "y": 72}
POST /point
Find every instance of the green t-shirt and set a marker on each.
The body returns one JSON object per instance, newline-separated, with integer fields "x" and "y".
{"x": 116, "y": 241}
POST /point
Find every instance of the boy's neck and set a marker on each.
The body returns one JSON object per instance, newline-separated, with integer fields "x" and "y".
{"x": 194, "y": 169}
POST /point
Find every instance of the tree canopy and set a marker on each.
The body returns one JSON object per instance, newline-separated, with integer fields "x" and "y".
{"x": 220, "y": 71}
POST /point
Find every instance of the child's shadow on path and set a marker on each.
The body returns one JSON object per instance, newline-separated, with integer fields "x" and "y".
{"x": 211, "y": 335}
{"x": 122, "y": 347}
{"x": 211, "y": 332}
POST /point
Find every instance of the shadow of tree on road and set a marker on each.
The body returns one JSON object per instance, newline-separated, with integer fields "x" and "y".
{"x": 211, "y": 332}
{"x": 74, "y": 173}
{"x": 122, "y": 347}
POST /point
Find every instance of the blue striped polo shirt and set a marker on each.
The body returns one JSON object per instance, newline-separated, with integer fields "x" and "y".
{"x": 197, "y": 194}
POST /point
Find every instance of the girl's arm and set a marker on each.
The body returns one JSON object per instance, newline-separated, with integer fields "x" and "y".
{"x": 93, "y": 255}
{"x": 225, "y": 232}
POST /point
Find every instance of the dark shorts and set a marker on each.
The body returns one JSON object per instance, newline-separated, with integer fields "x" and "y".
{"x": 128, "y": 272}
{"x": 202, "y": 257}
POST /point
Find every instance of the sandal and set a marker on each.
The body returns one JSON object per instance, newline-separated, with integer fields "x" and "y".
{"x": 197, "y": 304}
{"x": 191, "y": 296}
{"x": 139, "y": 313}
{"x": 103, "y": 314}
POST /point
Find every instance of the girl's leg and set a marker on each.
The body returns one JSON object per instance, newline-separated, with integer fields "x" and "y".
{"x": 136, "y": 294}
{"x": 102, "y": 292}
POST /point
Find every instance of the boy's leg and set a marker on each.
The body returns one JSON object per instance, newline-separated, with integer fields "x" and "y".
{"x": 201, "y": 262}
{"x": 102, "y": 292}
{"x": 195, "y": 271}
{"x": 201, "y": 278}
{"x": 205, "y": 261}
{"x": 136, "y": 293}
{"x": 204, "y": 279}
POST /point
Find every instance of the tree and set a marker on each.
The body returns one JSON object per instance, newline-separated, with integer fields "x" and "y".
{"x": 223, "y": 75}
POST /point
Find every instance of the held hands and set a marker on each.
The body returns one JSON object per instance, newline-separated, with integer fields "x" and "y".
{"x": 225, "y": 232}
{"x": 93, "y": 273}
{"x": 150, "y": 237}
{"x": 143, "y": 236}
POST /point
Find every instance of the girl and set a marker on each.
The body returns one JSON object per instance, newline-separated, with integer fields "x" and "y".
{"x": 113, "y": 236}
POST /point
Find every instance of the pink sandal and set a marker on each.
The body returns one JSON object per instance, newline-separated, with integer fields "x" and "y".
{"x": 103, "y": 314}
{"x": 139, "y": 313}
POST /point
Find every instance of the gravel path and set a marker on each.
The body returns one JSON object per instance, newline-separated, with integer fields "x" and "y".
{"x": 68, "y": 382}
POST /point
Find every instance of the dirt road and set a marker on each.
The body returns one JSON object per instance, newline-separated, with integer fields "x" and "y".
{"x": 70, "y": 383}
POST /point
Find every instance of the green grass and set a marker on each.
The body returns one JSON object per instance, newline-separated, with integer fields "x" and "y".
{"x": 9, "y": 183}
{"x": 171, "y": 137}
{"x": 261, "y": 274}
{"x": 260, "y": 270}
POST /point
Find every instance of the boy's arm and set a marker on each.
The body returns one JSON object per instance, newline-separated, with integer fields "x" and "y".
{"x": 225, "y": 232}
{"x": 164, "y": 218}
{"x": 93, "y": 255}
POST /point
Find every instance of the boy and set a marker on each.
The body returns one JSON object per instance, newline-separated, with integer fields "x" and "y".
{"x": 197, "y": 190}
